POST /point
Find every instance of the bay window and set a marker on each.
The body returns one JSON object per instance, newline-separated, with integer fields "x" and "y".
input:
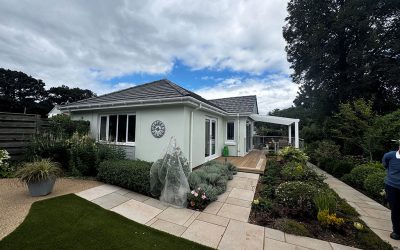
{"x": 118, "y": 129}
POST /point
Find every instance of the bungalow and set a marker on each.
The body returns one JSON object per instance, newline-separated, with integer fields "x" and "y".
{"x": 142, "y": 119}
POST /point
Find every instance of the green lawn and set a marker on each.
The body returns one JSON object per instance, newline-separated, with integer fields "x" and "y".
{"x": 70, "y": 222}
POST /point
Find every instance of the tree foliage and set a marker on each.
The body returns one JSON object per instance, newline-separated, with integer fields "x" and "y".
{"x": 344, "y": 50}
{"x": 21, "y": 93}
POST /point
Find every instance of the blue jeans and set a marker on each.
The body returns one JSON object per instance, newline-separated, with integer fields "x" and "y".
{"x": 393, "y": 197}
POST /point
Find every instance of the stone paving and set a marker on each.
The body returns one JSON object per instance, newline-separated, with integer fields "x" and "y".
{"x": 376, "y": 216}
{"x": 223, "y": 224}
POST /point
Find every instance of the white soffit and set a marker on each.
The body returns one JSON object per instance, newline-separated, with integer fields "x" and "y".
{"x": 273, "y": 119}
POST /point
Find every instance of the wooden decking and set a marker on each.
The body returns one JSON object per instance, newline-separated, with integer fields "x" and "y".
{"x": 253, "y": 162}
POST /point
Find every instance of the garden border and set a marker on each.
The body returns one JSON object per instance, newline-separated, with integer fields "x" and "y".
{"x": 375, "y": 215}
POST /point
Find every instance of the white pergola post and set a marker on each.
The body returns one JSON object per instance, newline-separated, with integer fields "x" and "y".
{"x": 296, "y": 135}
{"x": 290, "y": 134}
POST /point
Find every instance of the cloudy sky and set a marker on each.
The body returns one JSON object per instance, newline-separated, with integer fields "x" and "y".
{"x": 215, "y": 48}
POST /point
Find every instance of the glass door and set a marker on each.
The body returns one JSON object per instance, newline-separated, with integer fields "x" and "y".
{"x": 210, "y": 137}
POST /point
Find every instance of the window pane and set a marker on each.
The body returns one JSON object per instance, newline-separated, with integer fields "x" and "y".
{"x": 112, "y": 128}
{"x": 103, "y": 128}
{"x": 230, "y": 131}
{"x": 131, "y": 128}
{"x": 213, "y": 132}
{"x": 207, "y": 133}
{"x": 121, "y": 128}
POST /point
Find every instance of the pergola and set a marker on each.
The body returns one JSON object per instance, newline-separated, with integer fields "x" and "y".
{"x": 281, "y": 121}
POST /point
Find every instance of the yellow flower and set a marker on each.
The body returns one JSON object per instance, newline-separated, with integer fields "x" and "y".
{"x": 256, "y": 202}
{"x": 358, "y": 226}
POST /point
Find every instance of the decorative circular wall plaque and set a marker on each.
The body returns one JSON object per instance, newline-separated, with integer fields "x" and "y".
{"x": 158, "y": 129}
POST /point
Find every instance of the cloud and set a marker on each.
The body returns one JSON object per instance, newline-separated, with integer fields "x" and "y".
{"x": 87, "y": 43}
{"x": 273, "y": 91}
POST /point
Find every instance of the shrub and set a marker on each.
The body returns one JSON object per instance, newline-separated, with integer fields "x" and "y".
{"x": 262, "y": 205}
{"x": 292, "y": 227}
{"x": 369, "y": 240}
{"x": 198, "y": 198}
{"x": 336, "y": 167}
{"x": 345, "y": 208}
{"x": 296, "y": 195}
{"x": 293, "y": 154}
{"x": 83, "y": 155}
{"x": 325, "y": 201}
{"x": 326, "y": 150}
{"x": 107, "y": 152}
{"x": 293, "y": 171}
{"x": 358, "y": 175}
{"x": 272, "y": 172}
{"x": 374, "y": 184}
{"x": 130, "y": 174}
{"x": 231, "y": 168}
{"x": 329, "y": 219}
{"x": 5, "y": 169}
{"x": 61, "y": 126}
{"x": 50, "y": 147}
{"x": 38, "y": 171}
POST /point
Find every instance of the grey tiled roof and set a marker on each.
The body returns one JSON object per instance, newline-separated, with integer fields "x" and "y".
{"x": 165, "y": 89}
{"x": 161, "y": 89}
{"x": 239, "y": 104}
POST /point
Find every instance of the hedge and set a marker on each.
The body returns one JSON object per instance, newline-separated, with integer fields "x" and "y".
{"x": 130, "y": 174}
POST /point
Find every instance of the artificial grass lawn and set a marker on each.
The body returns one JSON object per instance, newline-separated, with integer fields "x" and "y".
{"x": 70, "y": 222}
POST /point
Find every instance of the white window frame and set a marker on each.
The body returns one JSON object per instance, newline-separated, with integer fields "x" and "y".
{"x": 215, "y": 155}
{"x": 116, "y": 135}
{"x": 230, "y": 141}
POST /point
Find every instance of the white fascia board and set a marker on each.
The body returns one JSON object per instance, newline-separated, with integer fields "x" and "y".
{"x": 274, "y": 119}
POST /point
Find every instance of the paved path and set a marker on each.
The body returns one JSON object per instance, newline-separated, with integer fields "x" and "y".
{"x": 376, "y": 216}
{"x": 15, "y": 200}
{"x": 223, "y": 224}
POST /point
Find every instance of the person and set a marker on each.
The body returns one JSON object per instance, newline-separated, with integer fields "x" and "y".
{"x": 391, "y": 161}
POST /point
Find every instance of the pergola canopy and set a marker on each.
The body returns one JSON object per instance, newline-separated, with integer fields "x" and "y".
{"x": 281, "y": 121}
{"x": 273, "y": 119}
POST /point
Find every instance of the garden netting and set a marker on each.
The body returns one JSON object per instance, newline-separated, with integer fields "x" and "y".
{"x": 168, "y": 176}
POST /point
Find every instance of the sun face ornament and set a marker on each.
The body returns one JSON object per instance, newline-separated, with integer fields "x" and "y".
{"x": 158, "y": 129}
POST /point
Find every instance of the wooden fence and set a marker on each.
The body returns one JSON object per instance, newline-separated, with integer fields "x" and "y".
{"x": 16, "y": 131}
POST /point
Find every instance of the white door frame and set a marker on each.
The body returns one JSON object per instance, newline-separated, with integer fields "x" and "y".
{"x": 210, "y": 155}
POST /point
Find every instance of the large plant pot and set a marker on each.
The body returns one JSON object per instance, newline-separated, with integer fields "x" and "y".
{"x": 41, "y": 188}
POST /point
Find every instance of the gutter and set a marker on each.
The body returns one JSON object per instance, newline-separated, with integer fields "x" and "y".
{"x": 191, "y": 136}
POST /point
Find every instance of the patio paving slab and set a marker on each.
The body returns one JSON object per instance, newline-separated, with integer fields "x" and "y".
{"x": 169, "y": 227}
{"x": 223, "y": 197}
{"x": 238, "y": 202}
{"x": 271, "y": 244}
{"x": 274, "y": 234}
{"x": 215, "y": 219}
{"x": 214, "y": 207}
{"x": 122, "y": 191}
{"x": 379, "y": 214}
{"x": 176, "y": 215}
{"x": 191, "y": 219}
{"x": 234, "y": 212}
{"x": 242, "y": 194}
{"x": 204, "y": 233}
{"x": 136, "y": 196}
{"x": 156, "y": 203}
{"x": 109, "y": 201}
{"x": 96, "y": 192}
{"x": 241, "y": 235}
{"x": 341, "y": 247}
{"x": 308, "y": 242}
{"x": 137, "y": 211}
{"x": 377, "y": 223}
{"x": 248, "y": 175}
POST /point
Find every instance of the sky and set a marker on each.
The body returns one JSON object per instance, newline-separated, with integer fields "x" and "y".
{"x": 214, "y": 48}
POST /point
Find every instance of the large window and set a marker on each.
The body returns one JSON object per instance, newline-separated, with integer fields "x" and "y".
{"x": 230, "y": 131}
{"x": 117, "y": 128}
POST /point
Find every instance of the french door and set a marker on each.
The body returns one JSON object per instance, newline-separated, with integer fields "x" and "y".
{"x": 210, "y": 137}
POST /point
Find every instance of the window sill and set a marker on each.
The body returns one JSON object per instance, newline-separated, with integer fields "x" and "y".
{"x": 131, "y": 144}
{"x": 230, "y": 143}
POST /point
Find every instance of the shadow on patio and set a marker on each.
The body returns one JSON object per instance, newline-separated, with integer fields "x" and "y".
{"x": 253, "y": 162}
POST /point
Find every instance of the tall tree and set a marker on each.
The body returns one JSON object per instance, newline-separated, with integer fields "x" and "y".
{"x": 342, "y": 50}
{"x": 20, "y": 92}
{"x": 63, "y": 94}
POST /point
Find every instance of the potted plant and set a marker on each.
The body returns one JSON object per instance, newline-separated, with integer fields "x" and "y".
{"x": 39, "y": 176}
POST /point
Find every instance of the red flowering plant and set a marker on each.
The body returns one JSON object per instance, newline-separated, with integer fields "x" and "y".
{"x": 197, "y": 199}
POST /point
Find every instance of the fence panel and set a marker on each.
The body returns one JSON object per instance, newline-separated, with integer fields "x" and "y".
{"x": 16, "y": 131}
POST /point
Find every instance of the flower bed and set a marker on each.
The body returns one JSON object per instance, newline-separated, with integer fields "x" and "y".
{"x": 293, "y": 198}
{"x": 208, "y": 182}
